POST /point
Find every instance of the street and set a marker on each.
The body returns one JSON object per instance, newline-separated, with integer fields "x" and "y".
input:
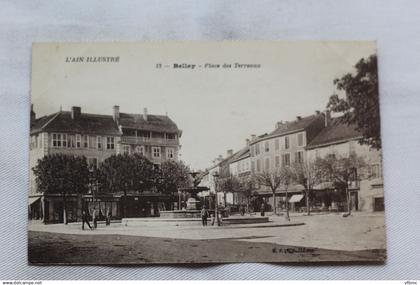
{"x": 323, "y": 237}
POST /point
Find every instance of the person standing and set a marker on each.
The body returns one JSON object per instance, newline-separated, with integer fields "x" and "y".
{"x": 94, "y": 220}
{"x": 204, "y": 215}
{"x": 85, "y": 219}
{"x": 108, "y": 217}
{"x": 262, "y": 210}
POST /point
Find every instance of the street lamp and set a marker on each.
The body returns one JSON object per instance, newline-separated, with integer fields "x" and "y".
{"x": 216, "y": 177}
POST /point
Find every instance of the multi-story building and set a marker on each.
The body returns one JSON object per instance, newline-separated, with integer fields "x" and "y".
{"x": 154, "y": 136}
{"x": 72, "y": 133}
{"x": 340, "y": 140}
{"x": 282, "y": 147}
{"x": 96, "y": 137}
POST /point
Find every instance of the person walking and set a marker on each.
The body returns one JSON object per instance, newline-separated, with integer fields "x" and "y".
{"x": 204, "y": 215}
{"x": 85, "y": 219}
{"x": 94, "y": 220}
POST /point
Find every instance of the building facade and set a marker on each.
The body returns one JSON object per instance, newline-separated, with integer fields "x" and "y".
{"x": 283, "y": 147}
{"x": 154, "y": 136}
{"x": 340, "y": 140}
{"x": 97, "y": 137}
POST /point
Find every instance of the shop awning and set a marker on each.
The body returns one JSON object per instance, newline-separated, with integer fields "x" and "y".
{"x": 296, "y": 198}
{"x": 32, "y": 200}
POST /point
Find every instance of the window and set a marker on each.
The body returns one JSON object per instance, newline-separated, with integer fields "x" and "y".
{"x": 253, "y": 166}
{"x": 86, "y": 141}
{"x": 277, "y": 161}
{"x": 126, "y": 149}
{"x": 257, "y": 148}
{"x": 267, "y": 164}
{"x": 56, "y": 140}
{"x": 34, "y": 142}
{"x": 59, "y": 140}
{"x": 78, "y": 141}
{"x": 64, "y": 140}
{"x": 286, "y": 142}
{"x": 300, "y": 139}
{"x": 276, "y": 144}
{"x": 99, "y": 142}
{"x": 299, "y": 157}
{"x": 375, "y": 171}
{"x": 109, "y": 142}
{"x": 70, "y": 141}
{"x": 258, "y": 165}
{"x": 267, "y": 146}
{"x": 139, "y": 149}
{"x": 156, "y": 151}
{"x": 170, "y": 153}
{"x": 286, "y": 159}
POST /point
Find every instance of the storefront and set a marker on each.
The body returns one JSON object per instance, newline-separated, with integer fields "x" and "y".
{"x": 49, "y": 208}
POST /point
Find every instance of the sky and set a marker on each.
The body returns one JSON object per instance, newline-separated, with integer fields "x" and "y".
{"x": 216, "y": 108}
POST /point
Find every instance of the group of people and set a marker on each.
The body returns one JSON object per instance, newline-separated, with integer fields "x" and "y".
{"x": 94, "y": 215}
{"x": 206, "y": 214}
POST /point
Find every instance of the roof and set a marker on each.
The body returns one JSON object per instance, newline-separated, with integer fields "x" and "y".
{"x": 293, "y": 126}
{"x": 156, "y": 123}
{"x": 285, "y": 128}
{"x": 337, "y": 132}
{"x": 241, "y": 154}
{"x": 83, "y": 124}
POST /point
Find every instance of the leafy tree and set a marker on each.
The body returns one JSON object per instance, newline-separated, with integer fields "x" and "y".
{"x": 360, "y": 104}
{"x": 341, "y": 171}
{"x": 62, "y": 174}
{"x": 307, "y": 175}
{"x": 123, "y": 172}
{"x": 273, "y": 180}
{"x": 173, "y": 175}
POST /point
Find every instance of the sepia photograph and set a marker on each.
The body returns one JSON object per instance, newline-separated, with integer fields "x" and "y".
{"x": 205, "y": 152}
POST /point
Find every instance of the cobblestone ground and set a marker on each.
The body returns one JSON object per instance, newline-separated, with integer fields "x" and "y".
{"x": 330, "y": 237}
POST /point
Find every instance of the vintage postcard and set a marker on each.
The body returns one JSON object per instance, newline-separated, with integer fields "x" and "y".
{"x": 205, "y": 152}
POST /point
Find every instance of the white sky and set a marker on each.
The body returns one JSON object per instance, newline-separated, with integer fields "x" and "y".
{"x": 217, "y": 109}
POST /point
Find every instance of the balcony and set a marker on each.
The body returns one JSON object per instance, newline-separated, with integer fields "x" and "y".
{"x": 148, "y": 141}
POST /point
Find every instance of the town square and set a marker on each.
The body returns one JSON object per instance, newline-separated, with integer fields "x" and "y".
{"x": 109, "y": 185}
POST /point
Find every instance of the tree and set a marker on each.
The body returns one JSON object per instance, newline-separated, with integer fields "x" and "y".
{"x": 173, "y": 175}
{"x": 247, "y": 187}
{"x": 62, "y": 174}
{"x": 229, "y": 184}
{"x": 307, "y": 175}
{"x": 360, "y": 104}
{"x": 341, "y": 171}
{"x": 123, "y": 172}
{"x": 273, "y": 180}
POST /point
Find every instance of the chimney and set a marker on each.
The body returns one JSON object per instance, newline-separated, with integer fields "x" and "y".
{"x": 298, "y": 118}
{"x": 75, "y": 112}
{"x": 327, "y": 118}
{"x": 145, "y": 114}
{"x": 253, "y": 137}
{"x": 229, "y": 152}
{"x": 247, "y": 142}
{"x": 116, "y": 114}
{"x": 317, "y": 112}
{"x": 33, "y": 115}
{"x": 278, "y": 125}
